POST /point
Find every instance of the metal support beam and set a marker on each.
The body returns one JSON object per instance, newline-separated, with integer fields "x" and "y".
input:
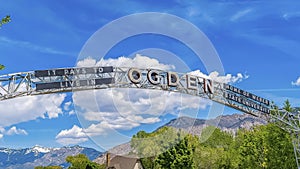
{"x": 296, "y": 144}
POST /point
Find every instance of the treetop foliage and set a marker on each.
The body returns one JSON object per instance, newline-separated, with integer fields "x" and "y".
{"x": 79, "y": 161}
{"x": 5, "y": 20}
{"x": 266, "y": 146}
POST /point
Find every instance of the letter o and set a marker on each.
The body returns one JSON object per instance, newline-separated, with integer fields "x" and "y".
{"x": 134, "y": 75}
{"x": 100, "y": 70}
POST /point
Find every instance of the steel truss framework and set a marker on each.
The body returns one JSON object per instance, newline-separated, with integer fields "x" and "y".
{"x": 25, "y": 84}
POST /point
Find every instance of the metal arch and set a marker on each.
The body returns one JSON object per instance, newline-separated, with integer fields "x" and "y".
{"x": 26, "y": 84}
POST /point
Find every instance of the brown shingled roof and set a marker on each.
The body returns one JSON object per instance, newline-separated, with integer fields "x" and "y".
{"x": 121, "y": 162}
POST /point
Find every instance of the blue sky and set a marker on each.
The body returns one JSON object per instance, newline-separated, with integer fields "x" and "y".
{"x": 258, "y": 39}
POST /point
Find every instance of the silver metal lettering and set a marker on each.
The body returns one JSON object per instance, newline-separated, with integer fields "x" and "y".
{"x": 173, "y": 79}
{"x": 191, "y": 82}
{"x": 153, "y": 77}
{"x": 208, "y": 86}
{"x": 134, "y": 75}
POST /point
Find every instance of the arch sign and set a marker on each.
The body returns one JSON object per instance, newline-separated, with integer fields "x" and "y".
{"x": 87, "y": 78}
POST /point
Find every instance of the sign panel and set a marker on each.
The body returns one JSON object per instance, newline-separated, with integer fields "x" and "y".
{"x": 246, "y": 102}
{"x": 246, "y": 94}
{"x": 71, "y": 84}
{"x": 73, "y": 71}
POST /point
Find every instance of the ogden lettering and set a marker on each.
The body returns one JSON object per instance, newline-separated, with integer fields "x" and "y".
{"x": 208, "y": 86}
{"x": 153, "y": 77}
{"x": 135, "y": 75}
{"x": 173, "y": 79}
{"x": 191, "y": 82}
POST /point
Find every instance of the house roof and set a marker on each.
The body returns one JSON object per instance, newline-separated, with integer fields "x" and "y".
{"x": 121, "y": 162}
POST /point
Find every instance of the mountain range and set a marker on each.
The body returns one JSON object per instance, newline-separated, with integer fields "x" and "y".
{"x": 28, "y": 158}
{"x": 229, "y": 123}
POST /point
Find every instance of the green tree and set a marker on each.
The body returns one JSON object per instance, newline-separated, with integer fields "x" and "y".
{"x": 216, "y": 138}
{"x": 178, "y": 156}
{"x": 249, "y": 149}
{"x": 81, "y": 161}
{"x": 267, "y": 146}
{"x": 215, "y": 149}
{"x": 149, "y": 145}
{"x": 263, "y": 147}
{"x": 4, "y": 20}
{"x": 48, "y": 167}
{"x": 287, "y": 106}
{"x": 152, "y": 144}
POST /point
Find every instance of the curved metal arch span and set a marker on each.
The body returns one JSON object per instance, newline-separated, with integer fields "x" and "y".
{"x": 88, "y": 78}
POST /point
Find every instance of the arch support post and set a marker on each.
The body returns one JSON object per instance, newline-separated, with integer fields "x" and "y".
{"x": 296, "y": 144}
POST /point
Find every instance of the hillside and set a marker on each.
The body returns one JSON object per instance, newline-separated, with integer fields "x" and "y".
{"x": 230, "y": 123}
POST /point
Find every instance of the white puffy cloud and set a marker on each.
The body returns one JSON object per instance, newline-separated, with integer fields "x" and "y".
{"x": 68, "y": 108}
{"x": 15, "y": 131}
{"x": 124, "y": 109}
{"x": 128, "y": 121}
{"x": 297, "y": 83}
{"x": 138, "y": 61}
{"x": 2, "y": 130}
{"x": 74, "y": 135}
{"x": 22, "y": 109}
{"x": 72, "y": 112}
{"x": 12, "y": 131}
{"x": 67, "y": 105}
{"x": 215, "y": 76}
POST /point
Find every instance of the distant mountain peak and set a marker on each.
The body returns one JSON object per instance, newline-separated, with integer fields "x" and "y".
{"x": 41, "y": 149}
{"x": 29, "y": 158}
{"x": 229, "y": 123}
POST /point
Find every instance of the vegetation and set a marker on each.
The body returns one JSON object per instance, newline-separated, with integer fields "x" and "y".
{"x": 4, "y": 20}
{"x": 287, "y": 106}
{"x": 79, "y": 161}
{"x": 48, "y": 167}
{"x": 178, "y": 156}
{"x": 265, "y": 146}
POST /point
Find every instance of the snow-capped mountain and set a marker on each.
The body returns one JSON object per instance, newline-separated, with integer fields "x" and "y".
{"x": 29, "y": 158}
{"x": 40, "y": 149}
